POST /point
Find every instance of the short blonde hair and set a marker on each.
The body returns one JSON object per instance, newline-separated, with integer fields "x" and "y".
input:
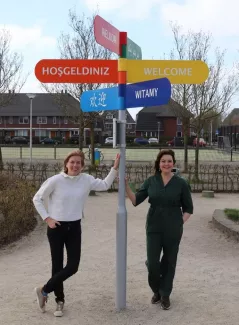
{"x": 77, "y": 153}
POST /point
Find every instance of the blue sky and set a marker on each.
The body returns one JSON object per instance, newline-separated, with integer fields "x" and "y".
{"x": 36, "y": 25}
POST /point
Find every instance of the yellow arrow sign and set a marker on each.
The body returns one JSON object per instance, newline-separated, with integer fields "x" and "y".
{"x": 177, "y": 71}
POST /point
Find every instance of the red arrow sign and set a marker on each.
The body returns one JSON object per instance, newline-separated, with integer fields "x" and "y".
{"x": 77, "y": 71}
{"x": 106, "y": 35}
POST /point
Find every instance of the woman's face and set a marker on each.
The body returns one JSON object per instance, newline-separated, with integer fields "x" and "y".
{"x": 166, "y": 164}
{"x": 74, "y": 166}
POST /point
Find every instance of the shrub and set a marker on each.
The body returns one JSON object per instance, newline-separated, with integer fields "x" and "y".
{"x": 16, "y": 208}
{"x": 232, "y": 214}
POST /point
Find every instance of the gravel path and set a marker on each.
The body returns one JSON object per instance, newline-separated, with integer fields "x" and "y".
{"x": 205, "y": 287}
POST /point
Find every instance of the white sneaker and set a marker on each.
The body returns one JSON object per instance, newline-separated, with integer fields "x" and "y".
{"x": 41, "y": 300}
{"x": 59, "y": 309}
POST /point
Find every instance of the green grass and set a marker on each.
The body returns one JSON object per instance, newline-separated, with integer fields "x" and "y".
{"x": 232, "y": 214}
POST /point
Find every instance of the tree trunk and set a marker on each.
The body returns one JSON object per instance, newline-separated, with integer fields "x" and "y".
{"x": 81, "y": 138}
{"x": 92, "y": 143}
{"x": 1, "y": 161}
{"x": 185, "y": 153}
{"x": 197, "y": 158}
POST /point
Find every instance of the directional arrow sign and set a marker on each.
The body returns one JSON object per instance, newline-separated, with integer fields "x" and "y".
{"x": 133, "y": 50}
{"x": 106, "y": 35}
{"x": 100, "y": 100}
{"x": 77, "y": 71}
{"x": 148, "y": 93}
{"x": 177, "y": 71}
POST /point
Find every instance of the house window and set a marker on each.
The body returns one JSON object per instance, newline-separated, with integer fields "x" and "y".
{"x": 0, "y": 120}
{"x": 179, "y": 122}
{"x": 23, "y": 120}
{"x": 129, "y": 126}
{"x": 21, "y": 133}
{"x": 41, "y": 120}
{"x": 108, "y": 126}
{"x": 109, "y": 116}
{"x": 10, "y": 120}
{"x": 65, "y": 121}
{"x": 54, "y": 120}
{"x": 42, "y": 133}
{"x": 75, "y": 132}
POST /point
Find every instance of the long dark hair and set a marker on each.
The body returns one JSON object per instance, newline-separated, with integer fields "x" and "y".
{"x": 160, "y": 155}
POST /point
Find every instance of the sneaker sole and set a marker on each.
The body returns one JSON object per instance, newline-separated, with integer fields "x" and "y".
{"x": 58, "y": 313}
{"x": 164, "y": 308}
{"x": 43, "y": 309}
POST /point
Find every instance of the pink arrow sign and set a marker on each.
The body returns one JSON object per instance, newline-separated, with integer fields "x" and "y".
{"x": 106, "y": 35}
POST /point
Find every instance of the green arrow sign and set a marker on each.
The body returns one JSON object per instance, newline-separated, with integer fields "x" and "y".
{"x": 134, "y": 52}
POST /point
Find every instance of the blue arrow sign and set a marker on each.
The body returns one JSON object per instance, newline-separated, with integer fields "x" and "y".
{"x": 100, "y": 100}
{"x": 148, "y": 93}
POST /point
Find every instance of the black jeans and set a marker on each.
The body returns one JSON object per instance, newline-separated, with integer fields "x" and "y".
{"x": 67, "y": 234}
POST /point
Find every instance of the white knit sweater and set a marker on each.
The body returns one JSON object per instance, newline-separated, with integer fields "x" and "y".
{"x": 62, "y": 197}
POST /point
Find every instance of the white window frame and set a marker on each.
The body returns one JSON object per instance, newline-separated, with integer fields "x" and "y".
{"x": 129, "y": 126}
{"x": 41, "y": 119}
{"x": 25, "y": 120}
{"x": 54, "y": 120}
{"x": 1, "y": 119}
{"x": 109, "y": 117}
{"x": 10, "y": 120}
{"x": 65, "y": 121}
{"x": 179, "y": 121}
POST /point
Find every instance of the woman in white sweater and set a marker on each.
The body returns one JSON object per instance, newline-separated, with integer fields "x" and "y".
{"x": 60, "y": 202}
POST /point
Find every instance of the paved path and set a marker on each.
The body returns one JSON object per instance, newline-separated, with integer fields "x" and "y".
{"x": 206, "y": 288}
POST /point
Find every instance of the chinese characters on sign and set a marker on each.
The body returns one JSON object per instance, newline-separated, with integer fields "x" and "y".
{"x": 101, "y": 100}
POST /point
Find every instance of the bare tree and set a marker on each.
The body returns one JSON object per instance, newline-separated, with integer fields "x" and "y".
{"x": 210, "y": 99}
{"x": 80, "y": 44}
{"x": 11, "y": 77}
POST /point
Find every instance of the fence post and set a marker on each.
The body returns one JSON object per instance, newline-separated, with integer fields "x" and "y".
{"x": 21, "y": 152}
{"x": 55, "y": 152}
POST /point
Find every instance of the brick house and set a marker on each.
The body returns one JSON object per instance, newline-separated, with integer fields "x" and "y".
{"x": 49, "y": 118}
{"x": 158, "y": 121}
{"x": 107, "y": 120}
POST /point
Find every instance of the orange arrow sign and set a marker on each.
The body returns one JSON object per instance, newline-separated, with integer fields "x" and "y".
{"x": 77, "y": 71}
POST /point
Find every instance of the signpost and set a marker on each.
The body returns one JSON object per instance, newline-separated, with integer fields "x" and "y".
{"x": 134, "y": 52}
{"x": 151, "y": 87}
{"x": 148, "y": 93}
{"x": 77, "y": 71}
{"x": 178, "y": 72}
{"x": 108, "y": 36}
{"x": 100, "y": 100}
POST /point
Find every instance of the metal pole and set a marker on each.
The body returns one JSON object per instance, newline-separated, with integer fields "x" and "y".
{"x": 121, "y": 217}
{"x": 30, "y": 132}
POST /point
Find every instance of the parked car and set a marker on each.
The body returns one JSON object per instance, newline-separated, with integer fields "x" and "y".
{"x": 109, "y": 140}
{"x": 74, "y": 139}
{"x": 176, "y": 142}
{"x": 141, "y": 141}
{"x": 153, "y": 140}
{"x": 202, "y": 142}
{"x": 19, "y": 140}
{"x": 50, "y": 141}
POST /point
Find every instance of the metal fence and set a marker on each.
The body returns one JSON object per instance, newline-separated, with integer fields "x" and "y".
{"x": 215, "y": 177}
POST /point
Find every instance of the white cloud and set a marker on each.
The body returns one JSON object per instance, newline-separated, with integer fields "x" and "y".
{"x": 25, "y": 37}
{"x": 133, "y": 9}
{"x": 220, "y": 17}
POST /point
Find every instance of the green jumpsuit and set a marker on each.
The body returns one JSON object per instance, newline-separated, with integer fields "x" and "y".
{"x": 164, "y": 227}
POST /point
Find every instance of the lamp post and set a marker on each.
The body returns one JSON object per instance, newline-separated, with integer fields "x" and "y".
{"x": 31, "y": 96}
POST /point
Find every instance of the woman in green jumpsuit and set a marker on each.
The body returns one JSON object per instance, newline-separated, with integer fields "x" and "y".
{"x": 170, "y": 207}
